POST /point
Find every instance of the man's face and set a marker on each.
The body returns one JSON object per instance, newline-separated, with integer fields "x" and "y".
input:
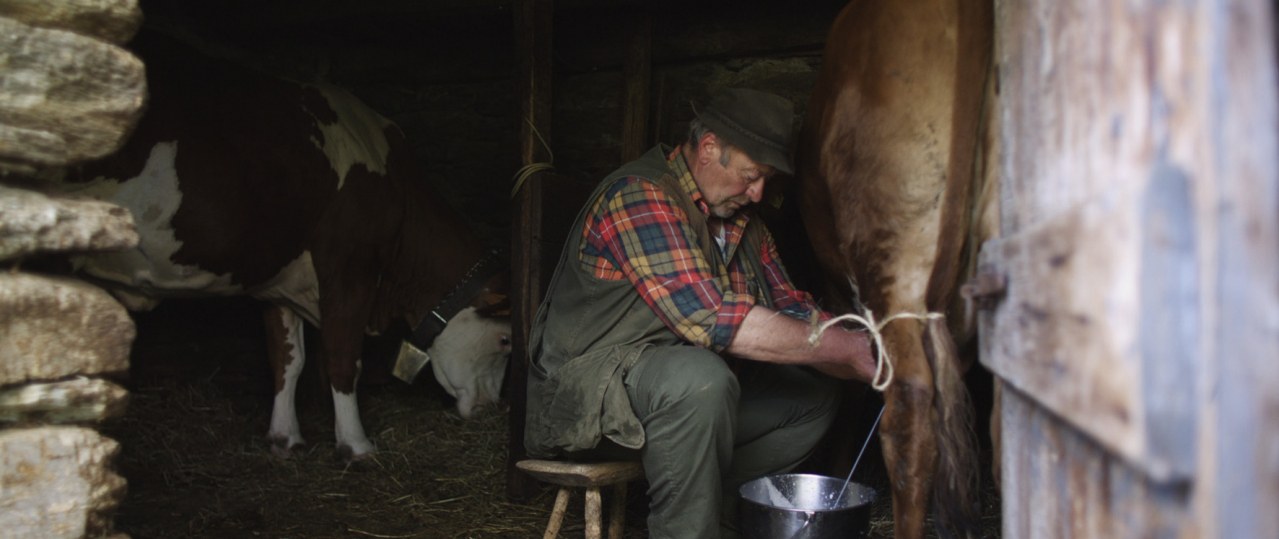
{"x": 728, "y": 188}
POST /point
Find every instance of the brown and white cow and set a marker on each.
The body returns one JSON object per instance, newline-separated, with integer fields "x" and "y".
{"x": 893, "y": 198}
{"x": 302, "y": 196}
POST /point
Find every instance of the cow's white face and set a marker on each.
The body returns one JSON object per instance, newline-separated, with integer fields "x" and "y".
{"x": 469, "y": 359}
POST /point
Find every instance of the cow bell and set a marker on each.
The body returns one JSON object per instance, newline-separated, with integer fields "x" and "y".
{"x": 409, "y": 362}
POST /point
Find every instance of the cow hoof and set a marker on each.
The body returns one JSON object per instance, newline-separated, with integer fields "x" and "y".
{"x": 349, "y": 454}
{"x": 281, "y": 452}
{"x": 284, "y": 447}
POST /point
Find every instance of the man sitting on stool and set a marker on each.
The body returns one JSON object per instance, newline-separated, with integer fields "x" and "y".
{"x": 671, "y": 332}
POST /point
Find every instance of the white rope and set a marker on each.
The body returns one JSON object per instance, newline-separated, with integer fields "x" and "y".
{"x": 883, "y": 364}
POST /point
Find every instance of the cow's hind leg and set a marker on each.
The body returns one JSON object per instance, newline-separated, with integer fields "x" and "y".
{"x": 287, "y": 353}
{"x": 910, "y": 448}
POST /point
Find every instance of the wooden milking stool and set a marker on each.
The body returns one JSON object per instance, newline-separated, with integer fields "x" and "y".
{"x": 591, "y": 476}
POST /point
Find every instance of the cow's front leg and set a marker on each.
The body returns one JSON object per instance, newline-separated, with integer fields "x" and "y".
{"x": 909, "y": 446}
{"x": 347, "y": 274}
{"x": 352, "y": 444}
{"x": 342, "y": 331}
{"x": 287, "y": 354}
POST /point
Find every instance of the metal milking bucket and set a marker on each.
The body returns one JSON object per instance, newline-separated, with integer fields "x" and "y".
{"x": 795, "y": 506}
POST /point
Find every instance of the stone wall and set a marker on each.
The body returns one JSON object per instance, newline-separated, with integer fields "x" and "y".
{"x": 68, "y": 93}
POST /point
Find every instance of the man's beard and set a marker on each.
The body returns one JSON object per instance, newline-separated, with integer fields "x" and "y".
{"x": 726, "y": 209}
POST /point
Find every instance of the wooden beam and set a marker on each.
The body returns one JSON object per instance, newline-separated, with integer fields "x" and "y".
{"x": 637, "y": 80}
{"x": 588, "y": 38}
{"x": 533, "y": 27}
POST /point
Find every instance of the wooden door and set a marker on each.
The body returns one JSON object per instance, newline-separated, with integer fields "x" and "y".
{"x": 1138, "y": 338}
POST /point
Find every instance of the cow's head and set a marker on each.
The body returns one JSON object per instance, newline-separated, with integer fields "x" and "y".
{"x": 467, "y": 350}
{"x": 469, "y": 358}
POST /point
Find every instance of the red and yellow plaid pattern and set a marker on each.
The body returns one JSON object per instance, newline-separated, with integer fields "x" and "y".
{"x": 636, "y": 232}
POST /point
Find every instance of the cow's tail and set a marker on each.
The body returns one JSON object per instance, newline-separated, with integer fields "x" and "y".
{"x": 956, "y": 494}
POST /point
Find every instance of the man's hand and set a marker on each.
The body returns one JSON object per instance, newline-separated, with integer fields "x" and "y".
{"x": 767, "y": 335}
{"x": 858, "y": 360}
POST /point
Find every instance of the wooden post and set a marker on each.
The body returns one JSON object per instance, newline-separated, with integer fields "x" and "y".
{"x": 533, "y": 25}
{"x": 637, "y": 79}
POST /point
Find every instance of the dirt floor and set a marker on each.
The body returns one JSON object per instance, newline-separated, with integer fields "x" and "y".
{"x": 198, "y": 465}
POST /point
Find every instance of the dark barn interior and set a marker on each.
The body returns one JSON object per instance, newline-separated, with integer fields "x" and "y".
{"x": 1094, "y": 185}
{"x": 448, "y": 73}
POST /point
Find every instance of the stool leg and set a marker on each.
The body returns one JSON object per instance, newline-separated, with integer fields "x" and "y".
{"x": 593, "y": 513}
{"x": 617, "y": 513}
{"x": 557, "y": 514}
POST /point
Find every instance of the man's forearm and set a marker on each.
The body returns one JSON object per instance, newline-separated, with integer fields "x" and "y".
{"x": 770, "y": 336}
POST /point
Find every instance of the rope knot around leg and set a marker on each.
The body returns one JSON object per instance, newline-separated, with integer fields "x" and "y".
{"x": 883, "y": 363}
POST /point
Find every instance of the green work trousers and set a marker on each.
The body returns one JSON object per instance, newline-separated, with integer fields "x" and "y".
{"x": 708, "y": 431}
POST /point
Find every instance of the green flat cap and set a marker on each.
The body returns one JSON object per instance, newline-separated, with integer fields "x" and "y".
{"x": 758, "y": 123}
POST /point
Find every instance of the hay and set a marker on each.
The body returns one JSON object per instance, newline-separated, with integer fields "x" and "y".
{"x": 197, "y": 467}
{"x": 198, "y": 464}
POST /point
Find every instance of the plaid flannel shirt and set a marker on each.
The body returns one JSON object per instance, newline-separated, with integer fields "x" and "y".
{"x": 636, "y": 232}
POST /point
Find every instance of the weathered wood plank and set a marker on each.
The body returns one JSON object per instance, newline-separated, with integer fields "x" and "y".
{"x": 533, "y": 28}
{"x": 636, "y": 81}
{"x": 1100, "y": 322}
{"x": 701, "y": 32}
{"x": 1052, "y": 337}
{"x": 582, "y": 474}
{"x": 1241, "y": 389}
{"x": 1140, "y": 196}
{"x": 1058, "y": 483}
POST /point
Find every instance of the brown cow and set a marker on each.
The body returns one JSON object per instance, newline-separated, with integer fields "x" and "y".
{"x": 887, "y": 177}
{"x": 302, "y": 196}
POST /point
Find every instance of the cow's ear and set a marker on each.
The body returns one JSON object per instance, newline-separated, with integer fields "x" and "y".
{"x": 495, "y": 312}
{"x": 493, "y": 305}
